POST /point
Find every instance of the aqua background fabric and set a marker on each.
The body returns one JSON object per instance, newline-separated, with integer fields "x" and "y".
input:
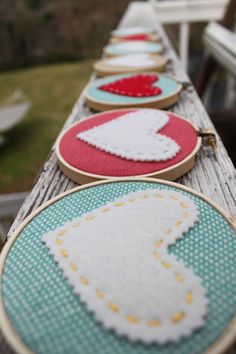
{"x": 147, "y": 47}
{"x": 50, "y": 318}
{"x": 167, "y": 85}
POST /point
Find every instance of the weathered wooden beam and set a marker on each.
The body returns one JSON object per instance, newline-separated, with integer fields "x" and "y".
{"x": 214, "y": 176}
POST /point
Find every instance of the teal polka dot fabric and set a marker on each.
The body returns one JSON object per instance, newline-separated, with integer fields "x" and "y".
{"x": 167, "y": 85}
{"x": 49, "y": 317}
{"x": 146, "y": 47}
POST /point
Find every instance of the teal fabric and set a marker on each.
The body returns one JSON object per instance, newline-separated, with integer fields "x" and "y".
{"x": 167, "y": 85}
{"x": 115, "y": 49}
{"x": 50, "y": 318}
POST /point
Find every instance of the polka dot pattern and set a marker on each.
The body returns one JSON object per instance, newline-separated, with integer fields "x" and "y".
{"x": 50, "y": 318}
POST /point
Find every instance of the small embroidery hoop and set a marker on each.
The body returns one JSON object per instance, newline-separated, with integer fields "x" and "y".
{"x": 167, "y": 101}
{"x": 113, "y": 55}
{"x": 220, "y": 346}
{"x": 151, "y": 37}
{"x": 103, "y": 69}
{"x": 170, "y": 173}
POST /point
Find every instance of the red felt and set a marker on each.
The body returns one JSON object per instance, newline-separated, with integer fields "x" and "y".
{"x": 136, "y": 37}
{"x": 134, "y": 86}
{"x": 87, "y": 158}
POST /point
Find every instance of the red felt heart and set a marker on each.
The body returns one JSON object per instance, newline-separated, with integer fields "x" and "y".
{"x": 136, "y": 37}
{"x": 134, "y": 86}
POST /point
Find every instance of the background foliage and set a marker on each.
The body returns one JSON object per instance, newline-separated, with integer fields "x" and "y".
{"x": 39, "y": 31}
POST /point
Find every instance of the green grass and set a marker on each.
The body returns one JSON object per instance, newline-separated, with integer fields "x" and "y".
{"x": 52, "y": 91}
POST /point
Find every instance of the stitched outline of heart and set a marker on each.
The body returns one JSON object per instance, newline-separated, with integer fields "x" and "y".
{"x": 170, "y": 237}
{"x": 142, "y": 125}
{"x": 134, "y": 86}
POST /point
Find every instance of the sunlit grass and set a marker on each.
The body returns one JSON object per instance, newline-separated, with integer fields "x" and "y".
{"x": 52, "y": 91}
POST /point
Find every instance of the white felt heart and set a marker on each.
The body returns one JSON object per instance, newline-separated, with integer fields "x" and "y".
{"x": 132, "y": 61}
{"x": 133, "y": 136}
{"x": 116, "y": 258}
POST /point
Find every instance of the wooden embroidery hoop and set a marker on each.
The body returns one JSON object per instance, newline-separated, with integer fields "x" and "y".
{"x": 168, "y": 100}
{"x": 103, "y": 69}
{"x": 170, "y": 173}
{"x": 219, "y": 347}
{"x": 113, "y": 55}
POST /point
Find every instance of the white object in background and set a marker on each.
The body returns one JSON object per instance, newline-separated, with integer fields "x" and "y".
{"x": 221, "y": 44}
{"x": 12, "y": 115}
{"x": 184, "y": 12}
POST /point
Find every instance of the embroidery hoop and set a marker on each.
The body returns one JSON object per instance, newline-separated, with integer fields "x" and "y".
{"x": 170, "y": 173}
{"x": 168, "y": 100}
{"x": 219, "y": 346}
{"x": 102, "y": 69}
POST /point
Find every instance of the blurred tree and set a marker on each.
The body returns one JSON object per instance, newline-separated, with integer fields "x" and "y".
{"x": 37, "y": 31}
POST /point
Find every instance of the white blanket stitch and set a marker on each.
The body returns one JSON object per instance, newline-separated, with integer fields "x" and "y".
{"x": 134, "y": 136}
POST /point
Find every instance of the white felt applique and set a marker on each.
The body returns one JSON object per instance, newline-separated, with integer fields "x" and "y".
{"x": 116, "y": 258}
{"x": 131, "y": 61}
{"x": 134, "y": 136}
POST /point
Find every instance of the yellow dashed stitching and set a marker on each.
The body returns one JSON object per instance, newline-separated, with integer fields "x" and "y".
{"x": 166, "y": 265}
{"x": 174, "y": 197}
{"x": 73, "y": 266}
{"x": 62, "y": 232}
{"x": 156, "y": 255}
{"x": 158, "y": 243}
{"x": 145, "y": 196}
{"x": 58, "y": 241}
{"x": 179, "y": 277}
{"x": 178, "y": 317}
{"x": 178, "y": 223}
{"x": 132, "y": 319}
{"x": 100, "y": 294}
{"x": 104, "y": 210}
{"x": 119, "y": 204}
{"x": 189, "y": 297}
{"x": 90, "y": 217}
{"x": 184, "y": 205}
{"x": 157, "y": 195}
{"x": 153, "y": 323}
{"x": 113, "y": 307}
{"x": 84, "y": 281}
{"x": 168, "y": 232}
{"x": 64, "y": 253}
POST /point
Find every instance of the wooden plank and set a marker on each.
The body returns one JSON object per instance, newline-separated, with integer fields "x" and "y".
{"x": 213, "y": 176}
